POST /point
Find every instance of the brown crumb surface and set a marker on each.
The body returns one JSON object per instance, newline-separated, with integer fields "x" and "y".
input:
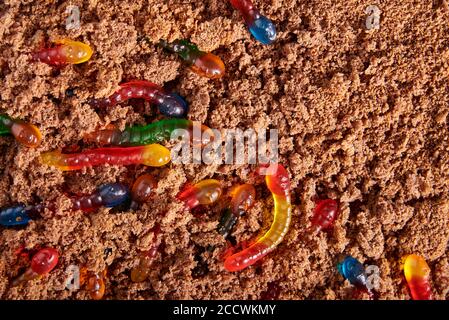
{"x": 362, "y": 117}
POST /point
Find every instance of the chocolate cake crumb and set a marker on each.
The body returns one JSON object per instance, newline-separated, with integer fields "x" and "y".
{"x": 362, "y": 118}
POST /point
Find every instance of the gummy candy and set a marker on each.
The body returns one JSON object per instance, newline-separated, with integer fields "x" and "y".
{"x": 242, "y": 200}
{"x": 25, "y": 133}
{"x": 279, "y": 185}
{"x": 143, "y": 188}
{"x": 158, "y": 131}
{"x": 107, "y": 195}
{"x": 260, "y": 26}
{"x": 96, "y": 285}
{"x": 204, "y": 192}
{"x": 202, "y": 63}
{"x": 417, "y": 274}
{"x": 169, "y": 104}
{"x": 141, "y": 272}
{"x": 352, "y": 270}
{"x": 44, "y": 261}
{"x": 153, "y": 155}
{"x": 325, "y": 213}
{"x": 15, "y": 216}
{"x": 66, "y": 52}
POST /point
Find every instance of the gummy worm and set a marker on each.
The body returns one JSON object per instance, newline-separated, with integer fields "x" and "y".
{"x": 158, "y": 131}
{"x": 260, "y": 26}
{"x": 169, "y": 104}
{"x": 108, "y": 195}
{"x": 242, "y": 199}
{"x": 325, "y": 213}
{"x": 44, "y": 261}
{"x": 17, "y": 215}
{"x": 279, "y": 185}
{"x": 96, "y": 285}
{"x": 417, "y": 273}
{"x": 352, "y": 270}
{"x": 141, "y": 272}
{"x": 142, "y": 189}
{"x": 153, "y": 155}
{"x": 202, "y": 63}
{"x": 204, "y": 192}
{"x": 25, "y": 133}
{"x": 66, "y": 52}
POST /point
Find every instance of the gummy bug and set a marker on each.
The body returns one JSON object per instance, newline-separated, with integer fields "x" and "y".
{"x": 273, "y": 291}
{"x": 141, "y": 272}
{"x": 153, "y": 155}
{"x": 260, "y": 26}
{"x": 202, "y": 63}
{"x": 354, "y": 271}
{"x": 143, "y": 188}
{"x": 96, "y": 285}
{"x": 44, "y": 261}
{"x": 242, "y": 199}
{"x": 204, "y": 192}
{"x": 417, "y": 274}
{"x": 15, "y": 216}
{"x": 158, "y": 131}
{"x": 227, "y": 222}
{"x": 25, "y": 133}
{"x": 169, "y": 104}
{"x": 107, "y": 195}
{"x": 278, "y": 183}
{"x": 65, "y": 52}
{"x": 325, "y": 213}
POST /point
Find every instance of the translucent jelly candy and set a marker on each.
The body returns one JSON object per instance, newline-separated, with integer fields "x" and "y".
{"x": 141, "y": 272}
{"x": 153, "y": 155}
{"x": 96, "y": 285}
{"x": 260, "y": 26}
{"x": 108, "y": 195}
{"x": 25, "y": 133}
{"x": 158, "y": 131}
{"x": 143, "y": 188}
{"x": 242, "y": 199}
{"x": 279, "y": 185}
{"x": 42, "y": 263}
{"x": 417, "y": 274}
{"x": 66, "y": 52}
{"x": 204, "y": 64}
{"x": 14, "y": 216}
{"x": 227, "y": 222}
{"x": 325, "y": 213}
{"x": 204, "y": 192}
{"x": 169, "y": 104}
{"x": 272, "y": 293}
{"x": 352, "y": 270}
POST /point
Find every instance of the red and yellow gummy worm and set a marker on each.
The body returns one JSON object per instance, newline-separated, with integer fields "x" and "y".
{"x": 65, "y": 52}
{"x": 417, "y": 274}
{"x": 153, "y": 155}
{"x": 279, "y": 185}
